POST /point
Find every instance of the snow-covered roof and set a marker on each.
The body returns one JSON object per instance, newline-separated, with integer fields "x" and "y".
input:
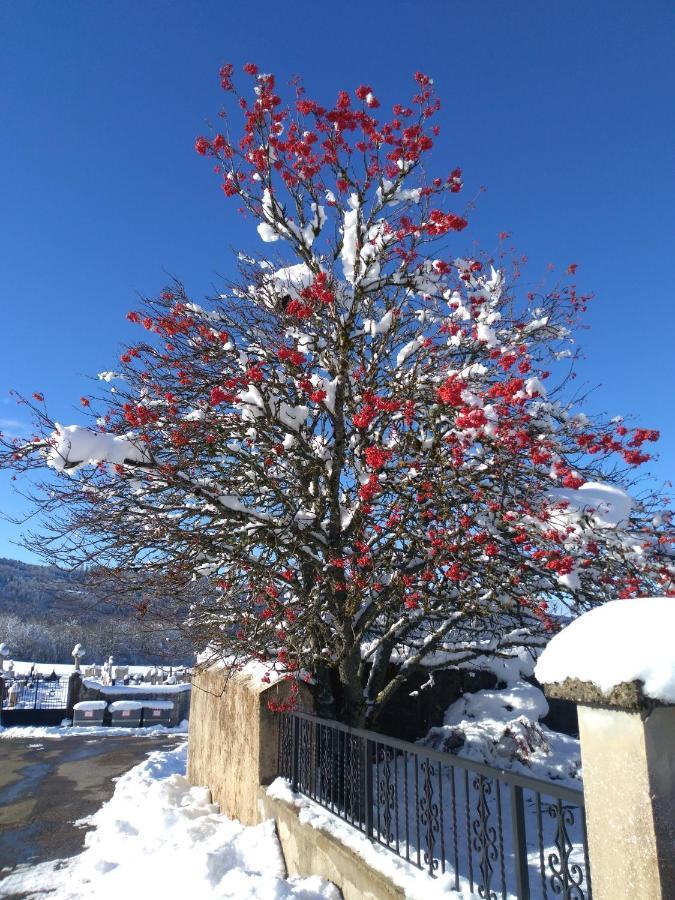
{"x": 125, "y": 705}
{"x": 618, "y": 642}
{"x": 133, "y": 690}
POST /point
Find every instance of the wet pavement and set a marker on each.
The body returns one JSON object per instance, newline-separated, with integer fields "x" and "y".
{"x": 47, "y": 785}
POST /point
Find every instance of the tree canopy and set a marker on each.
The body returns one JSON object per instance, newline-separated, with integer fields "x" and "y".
{"x": 364, "y": 457}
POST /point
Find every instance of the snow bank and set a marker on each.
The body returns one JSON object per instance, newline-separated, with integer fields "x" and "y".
{"x": 58, "y": 732}
{"x": 621, "y": 641}
{"x": 501, "y": 728}
{"x": 160, "y": 837}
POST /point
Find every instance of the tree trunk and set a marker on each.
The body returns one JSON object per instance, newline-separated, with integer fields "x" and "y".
{"x": 351, "y": 700}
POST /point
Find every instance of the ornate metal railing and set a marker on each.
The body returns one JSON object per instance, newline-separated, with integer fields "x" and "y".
{"x": 495, "y": 832}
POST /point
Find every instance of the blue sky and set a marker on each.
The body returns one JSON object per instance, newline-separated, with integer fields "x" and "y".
{"x": 563, "y": 112}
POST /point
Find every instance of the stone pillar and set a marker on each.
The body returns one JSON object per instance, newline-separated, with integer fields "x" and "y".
{"x": 628, "y": 759}
{"x": 234, "y": 737}
{"x": 74, "y": 692}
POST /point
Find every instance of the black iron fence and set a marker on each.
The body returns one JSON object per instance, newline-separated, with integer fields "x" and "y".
{"x": 495, "y": 832}
{"x": 35, "y": 693}
{"x": 33, "y": 701}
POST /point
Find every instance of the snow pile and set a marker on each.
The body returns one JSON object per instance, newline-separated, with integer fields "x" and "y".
{"x": 91, "y": 704}
{"x": 501, "y": 728}
{"x": 160, "y": 837}
{"x": 618, "y": 642}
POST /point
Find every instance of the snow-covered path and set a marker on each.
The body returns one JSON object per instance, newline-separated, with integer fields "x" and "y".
{"x": 159, "y": 837}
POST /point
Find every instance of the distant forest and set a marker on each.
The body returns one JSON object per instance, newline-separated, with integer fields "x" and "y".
{"x": 45, "y": 611}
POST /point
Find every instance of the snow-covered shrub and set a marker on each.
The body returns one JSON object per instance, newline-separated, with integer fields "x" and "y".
{"x": 501, "y": 728}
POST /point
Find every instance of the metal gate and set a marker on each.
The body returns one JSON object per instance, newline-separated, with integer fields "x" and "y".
{"x": 34, "y": 701}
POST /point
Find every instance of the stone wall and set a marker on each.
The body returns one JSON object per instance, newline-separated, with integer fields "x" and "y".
{"x": 233, "y": 749}
{"x": 233, "y": 741}
{"x": 312, "y": 851}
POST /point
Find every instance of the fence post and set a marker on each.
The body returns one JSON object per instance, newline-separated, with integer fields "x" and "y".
{"x": 519, "y": 843}
{"x": 627, "y": 749}
{"x": 295, "y": 753}
{"x": 368, "y": 781}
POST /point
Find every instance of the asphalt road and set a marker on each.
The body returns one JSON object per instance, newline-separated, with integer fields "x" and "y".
{"x": 47, "y": 785}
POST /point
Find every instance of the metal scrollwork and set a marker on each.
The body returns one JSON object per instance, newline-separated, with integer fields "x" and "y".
{"x": 385, "y": 794}
{"x": 325, "y": 764}
{"x": 352, "y": 787}
{"x": 566, "y": 878}
{"x": 305, "y": 754}
{"x": 485, "y": 837}
{"x": 429, "y": 815}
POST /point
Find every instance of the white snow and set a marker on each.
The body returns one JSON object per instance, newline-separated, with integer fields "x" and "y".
{"x": 381, "y": 326}
{"x": 501, "y": 728}
{"x": 65, "y": 730}
{"x": 605, "y": 504}
{"x": 134, "y": 689}
{"x": 23, "y": 667}
{"x": 620, "y": 641}
{"x": 389, "y": 195}
{"x": 486, "y": 335}
{"x": 265, "y": 230}
{"x": 157, "y": 704}
{"x": 125, "y": 706}
{"x": 160, "y": 837}
{"x": 73, "y": 447}
{"x": 91, "y": 704}
{"x": 406, "y": 351}
{"x": 416, "y": 884}
{"x": 350, "y": 238}
{"x": 292, "y": 279}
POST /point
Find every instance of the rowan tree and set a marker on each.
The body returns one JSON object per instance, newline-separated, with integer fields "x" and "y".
{"x": 362, "y": 458}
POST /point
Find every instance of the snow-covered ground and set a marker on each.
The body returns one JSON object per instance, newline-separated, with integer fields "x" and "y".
{"x": 159, "y": 837}
{"x": 23, "y": 667}
{"x": 58, "y": 732}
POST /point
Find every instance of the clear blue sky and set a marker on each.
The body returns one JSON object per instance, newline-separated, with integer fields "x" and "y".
{"x": 565, "y": 112}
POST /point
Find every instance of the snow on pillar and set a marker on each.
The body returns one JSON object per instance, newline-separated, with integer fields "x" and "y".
{"x": 617, "y": 662}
